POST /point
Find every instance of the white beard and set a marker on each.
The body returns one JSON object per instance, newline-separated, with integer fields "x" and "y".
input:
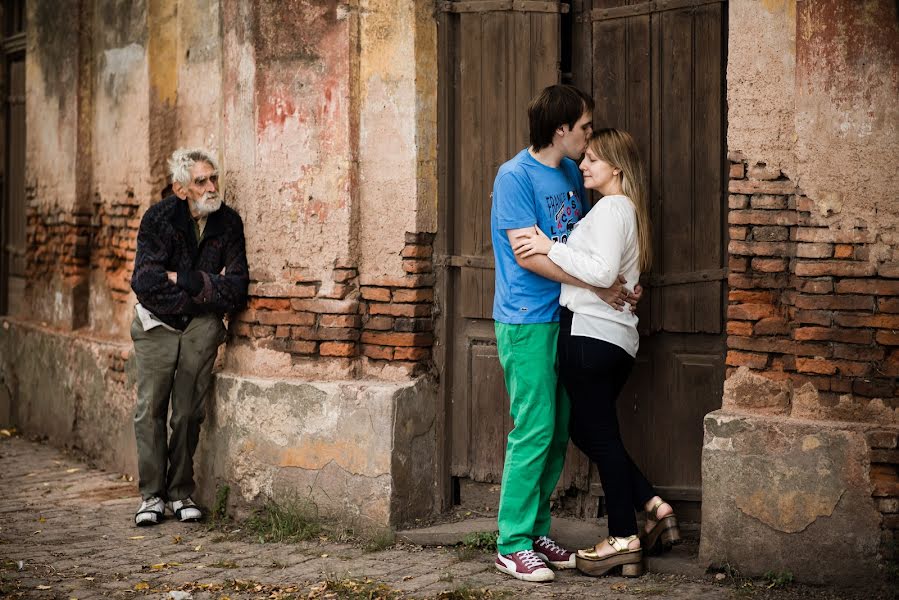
{"x": 208, "y": 204}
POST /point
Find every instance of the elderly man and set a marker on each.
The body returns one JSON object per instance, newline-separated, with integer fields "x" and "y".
{"x": 190, "y": 269}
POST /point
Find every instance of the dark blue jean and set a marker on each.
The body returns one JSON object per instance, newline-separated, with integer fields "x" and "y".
{"x": 594, "y": 372}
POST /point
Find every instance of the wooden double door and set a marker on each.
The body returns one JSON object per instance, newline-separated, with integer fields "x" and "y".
{"x": 655, "y": 69}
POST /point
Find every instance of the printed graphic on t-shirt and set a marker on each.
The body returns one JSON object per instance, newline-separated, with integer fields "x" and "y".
{"x": 566, "y": 210}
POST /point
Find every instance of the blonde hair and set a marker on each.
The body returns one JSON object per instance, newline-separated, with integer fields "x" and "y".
{"x": 618, "y": 148}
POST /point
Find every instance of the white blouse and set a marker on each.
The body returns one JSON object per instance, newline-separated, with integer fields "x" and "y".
{"x": 603, "y": 244}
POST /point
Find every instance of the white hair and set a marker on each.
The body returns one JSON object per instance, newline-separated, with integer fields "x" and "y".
{"x": 183, "y": 159}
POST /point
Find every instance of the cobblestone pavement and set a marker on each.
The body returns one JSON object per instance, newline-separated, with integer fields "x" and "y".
{"x": 66, "y": 532}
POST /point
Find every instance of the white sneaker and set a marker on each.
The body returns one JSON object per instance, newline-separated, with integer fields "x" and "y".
{"x": 185, "y": 510}
{"x": 150, "y": 512}
{"x": 524, "y": 565}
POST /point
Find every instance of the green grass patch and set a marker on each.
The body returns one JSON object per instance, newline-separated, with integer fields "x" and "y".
{"x": 481, "y": 540}
{"x": 292, "y": 520}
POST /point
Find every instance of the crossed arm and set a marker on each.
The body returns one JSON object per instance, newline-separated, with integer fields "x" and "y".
{"x": 539, "y": 263}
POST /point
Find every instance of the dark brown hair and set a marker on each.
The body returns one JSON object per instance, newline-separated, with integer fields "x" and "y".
{"x": 555, "y": 106}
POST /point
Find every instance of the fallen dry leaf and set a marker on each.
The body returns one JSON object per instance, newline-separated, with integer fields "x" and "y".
{"x": 143, "y": 585}
{"x": 177, "y": 539}
{"x": 137, "y": 537}
{"x": 73, "y": 470}
{"x": 43, "y": 587}
{"x": 618, "y": 587}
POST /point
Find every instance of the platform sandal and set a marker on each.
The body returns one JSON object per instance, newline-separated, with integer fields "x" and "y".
{"x": 589, "y": 562}
{"x": 664, "y": 534}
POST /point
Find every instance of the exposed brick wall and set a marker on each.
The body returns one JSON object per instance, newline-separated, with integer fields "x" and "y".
{"x": 58, "y": 243}
{"x": 114, "y": 244}
{"x": 381, "y": 318}
{"x": 809, "y": 301}
{"x": 885, "y": 484}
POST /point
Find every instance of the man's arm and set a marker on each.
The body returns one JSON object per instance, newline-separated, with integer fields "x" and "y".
{"x": 615, "y": 295}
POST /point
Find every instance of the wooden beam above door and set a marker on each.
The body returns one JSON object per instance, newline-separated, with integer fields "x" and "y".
{"x": 504, "y": 6}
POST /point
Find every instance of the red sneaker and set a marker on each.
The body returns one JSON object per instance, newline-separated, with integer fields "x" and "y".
{"x": 524, "y": 565}
{"x": 553, "y": 553}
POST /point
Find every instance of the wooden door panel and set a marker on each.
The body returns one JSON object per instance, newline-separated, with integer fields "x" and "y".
{"x": 490, "y": 418}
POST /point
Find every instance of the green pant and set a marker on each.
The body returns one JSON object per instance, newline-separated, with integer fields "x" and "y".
{"x": 178, "y": 366}
{"x": 535, "y": 451}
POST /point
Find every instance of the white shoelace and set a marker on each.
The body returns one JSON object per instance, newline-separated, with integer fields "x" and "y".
{"x": 530, "y": 559}
{"x": 550, "y": 545}
{"x": 149, "y": 503}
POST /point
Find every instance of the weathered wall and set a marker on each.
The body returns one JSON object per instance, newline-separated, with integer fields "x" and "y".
{"x": 814, "y": 261}
{"x": 323, "y": 116}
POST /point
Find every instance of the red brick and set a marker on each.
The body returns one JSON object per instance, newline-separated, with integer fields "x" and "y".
{"x": 818, "y": 250}
{"x": 882, "y": 321}
{"x": 413, "y": 295}
{"x": 748, "y": 281}
{"x": 737, "y": 264}
{"x": 343, "y": 349}
{"x": 771, "y": 326}
{"x": 770, "y": 233}
{"x": 377, "y": 294}
{"x": 750, "y": 297}
{"x": 270, "y": 303}
{"x": 768, "y": 202}
{"x": 417, "y": 266}
{"x": 397, "y": 339}
{"x": 854, "y": 352}
{"x": 400, "y": 310}
{"x": 378, "y": 352}
{"x": 821, "y": 285}
{"x": 885, "y": 479}
{"x": 769, "y": 265}
{"x": 873, "y": 388}
{"x": 338, "y": 291}
{"x": 409, "y": 281}
{"x": 843, "y": 251}
{"x": 805, "y": 204}
{"x": 878, "y": 287}
{"x": 282, "y": 331}
{"x": 737, "y": 171}
{"x": 820, "y": 366}
{"x": 407, "y": 324}
{"x": 282, "y": 290}
{"x": 850, "y": 336}
{"x": 737, "y": 201}
{"x": 379, "y": 323}
{"x": 746, "y": 359}
{"x": 739, "y": 328}
{"x": 749, "y": 312}
{"x": 777, "y": 345}
{"x": 747, "y": 186}
{"x": 339, "y": 321}
{"x": 412, "y": 353}
{"x": 762, "y": 217}
{"x": 825, "y": 234}
{"x": 301, "y": 347}
{"x": 887, "y": 337}
{"x": 834, "y": 302}
{"x": 890, "y": 270}
{"x": 888, "y": 305}
{"x": 890, "y": 367}
{"x": 336, "y": 333}
{"x": 764, "y": 172}
{"x": 262, "y": 331}
{"x": 760, "y": 248}
{"x": 861, "y": 253}
{"x": 737, "y": 233}
{"x": 285, "y": 317}
{"x": 840, "y": 268}
{"x": 326, "y": 306}
{"x": 343, "y": 275}
{"x": 417, "y": 251}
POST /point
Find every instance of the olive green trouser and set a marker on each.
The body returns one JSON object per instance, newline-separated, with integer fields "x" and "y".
{"x": 172, "y": 365}
{"x": 535, "y": 450}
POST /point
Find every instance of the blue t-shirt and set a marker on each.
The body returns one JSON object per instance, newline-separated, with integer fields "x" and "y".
{"x": 527, "y": 192}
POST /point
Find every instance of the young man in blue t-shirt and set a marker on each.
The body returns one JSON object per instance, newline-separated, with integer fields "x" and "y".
{"x": 541, "y": 186}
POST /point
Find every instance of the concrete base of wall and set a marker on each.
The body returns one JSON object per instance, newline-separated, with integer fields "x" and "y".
{"x": 784, "y": 494}
{"x": 362, "y": 451}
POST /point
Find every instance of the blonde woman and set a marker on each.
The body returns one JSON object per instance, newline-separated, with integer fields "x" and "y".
{"x": 598, "y": 344}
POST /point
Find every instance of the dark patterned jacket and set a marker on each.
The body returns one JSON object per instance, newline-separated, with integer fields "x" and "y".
{"x": 212, "y": 275}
